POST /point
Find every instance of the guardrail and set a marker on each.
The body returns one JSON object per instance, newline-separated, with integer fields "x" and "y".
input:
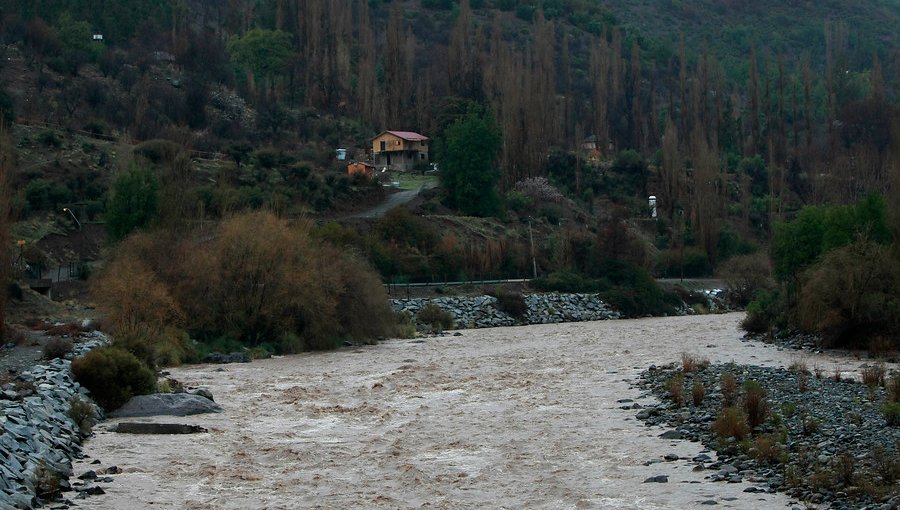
{"x": 393, "y": 287}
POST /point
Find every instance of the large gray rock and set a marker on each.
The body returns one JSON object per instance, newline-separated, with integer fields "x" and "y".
{"x": 170, "y": 404}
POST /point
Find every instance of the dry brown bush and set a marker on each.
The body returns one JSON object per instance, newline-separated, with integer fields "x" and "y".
{"x": 744, "y": 274}
{"x": 850, "y": 296}
{"x": 675, "y": 386}
{"x": 731, "y": 422}
{"x": 873, "y": 375}
{"x": 698, "y": 392}
{"x": 729, "y": 387}
{"x": 15, "y": 336}
{"x": 363, "y": 312}
{"x": 691, "y": 363}
{"x": 765, "y": 449}
{"x": 755, "y": 404}
{"x": 57, "y": 348}
{"x": 258, "y": 279}
{"x": 893, "y": 387}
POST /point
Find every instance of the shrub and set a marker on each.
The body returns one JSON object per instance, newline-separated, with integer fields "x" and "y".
{"x": 728, "y": 385}
{"x": 688, "y": 262}
{"x": 257, "y": 280}
{"x": 435, "y": 316}
{"x": 810, "y": 425}
{"x": 886, "y": 465}
{"x": 83, "y": 413}
{"x": 47, "y": 481}
{"x": 845, "y": 468}
{"x": 635, "y": 292}
{"x": 565, "y": 281}
{"x": 763, "y": 312}
{"x": 691, "y": 363}
{"x": 363, "y": 312}
{"x": 873, "y": 375}
{"x": 57, "y": 348}
{"x": 755, "y": 404}
{"x": 744, "y": 274}
{"x": 765, "y": 449}
{"x": 851, "y": 295}
{"x": 49, "y": 138}
{"x": 731, "y": 422}
{"x": 538, "y": 190}
{"x": 113, "y": 375}
{"x": 893, "y": 387}
{"x": 14, "y": 336}
{"x": 891, "y": 412}
{"x": 675, "y": 387}
{"x": 512, "y": 303}
{"x": 158, "y": 151}
{"x": 71, "y": 329}
{"x": 698, "y": 392}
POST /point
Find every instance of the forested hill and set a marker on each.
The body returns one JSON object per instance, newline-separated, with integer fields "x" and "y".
{"x": 763, "y": 107}
{"x": 733, "y": 27}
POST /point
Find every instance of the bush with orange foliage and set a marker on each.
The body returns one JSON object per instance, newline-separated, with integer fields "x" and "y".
{"x": 258, "y": 280}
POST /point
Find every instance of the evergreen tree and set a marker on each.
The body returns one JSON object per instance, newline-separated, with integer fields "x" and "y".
{"x": 468, "y": 164}
{"x": 133, "y": 204}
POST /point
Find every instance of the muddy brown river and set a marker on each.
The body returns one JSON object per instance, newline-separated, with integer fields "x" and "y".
{"x": 523, "y": 417}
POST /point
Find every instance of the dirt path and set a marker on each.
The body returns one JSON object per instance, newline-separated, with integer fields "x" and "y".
{"x": 522, "y": 417}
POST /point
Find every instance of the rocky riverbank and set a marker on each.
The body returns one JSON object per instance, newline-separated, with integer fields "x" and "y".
{"x": 39, "y": 439}
{"x": 825, "y": 439}
{"x": 485, "y": 311}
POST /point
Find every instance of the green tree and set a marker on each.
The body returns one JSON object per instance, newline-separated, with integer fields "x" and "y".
{"x": 468, "y": 164}
{"x": 264, "y": 54}
{"x": 797, "y": 244}
{"x": 76, "y": 43}
{"x": 133, "y": 202}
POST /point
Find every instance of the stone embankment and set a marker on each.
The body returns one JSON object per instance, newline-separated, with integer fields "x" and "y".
{"x": 38, "y": 440}
{"x": 485, "y": 311}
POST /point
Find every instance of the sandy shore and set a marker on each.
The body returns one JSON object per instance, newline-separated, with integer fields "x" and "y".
{"x": 523, "y": 417}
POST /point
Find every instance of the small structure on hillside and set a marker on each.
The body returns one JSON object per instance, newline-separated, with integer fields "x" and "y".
{"x": 361, "y": 168}
{"x": 399, "y": 150}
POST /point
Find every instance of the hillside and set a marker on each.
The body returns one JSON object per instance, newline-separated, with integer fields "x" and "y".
{"x": 793, "y": 28}
{"x": 240, "y": 106}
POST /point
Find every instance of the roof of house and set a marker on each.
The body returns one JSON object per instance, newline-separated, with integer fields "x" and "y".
{"x": 364, "y": 163}
{"x": 406, "y": 135}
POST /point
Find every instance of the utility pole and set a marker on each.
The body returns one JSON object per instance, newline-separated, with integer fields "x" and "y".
{"x": 531, "y": 239}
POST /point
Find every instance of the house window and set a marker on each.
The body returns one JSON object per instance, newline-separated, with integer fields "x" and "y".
{"x": 383, "y": 145}
{"x": 422, "y": 155}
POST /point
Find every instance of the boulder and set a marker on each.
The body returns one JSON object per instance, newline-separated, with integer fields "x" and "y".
{"x": 171, "y": 404}
{"x": 157, "y": 428}
{"x": 234, "y": 357}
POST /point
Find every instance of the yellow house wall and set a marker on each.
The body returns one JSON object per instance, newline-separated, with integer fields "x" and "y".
{"x": 395, "y": 143}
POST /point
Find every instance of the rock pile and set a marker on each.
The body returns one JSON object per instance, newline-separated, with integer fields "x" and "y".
{"x": 38, "y": 440}
{"x": 484, "y": 312}
{"x": 825, "y": 441}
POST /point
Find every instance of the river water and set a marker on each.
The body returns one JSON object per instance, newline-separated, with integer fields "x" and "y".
{"x": 521, "y": 417}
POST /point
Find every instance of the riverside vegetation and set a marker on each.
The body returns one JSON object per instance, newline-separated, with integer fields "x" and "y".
{"x": 257, "y": 282}
{"x": 837, "y": 273}
{"x": 820, "y": 438}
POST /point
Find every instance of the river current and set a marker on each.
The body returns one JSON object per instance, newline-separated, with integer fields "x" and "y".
{"x": 521, "y": 417}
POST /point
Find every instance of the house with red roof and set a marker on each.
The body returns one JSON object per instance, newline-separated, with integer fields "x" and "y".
{"x": 399, "y": 150}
